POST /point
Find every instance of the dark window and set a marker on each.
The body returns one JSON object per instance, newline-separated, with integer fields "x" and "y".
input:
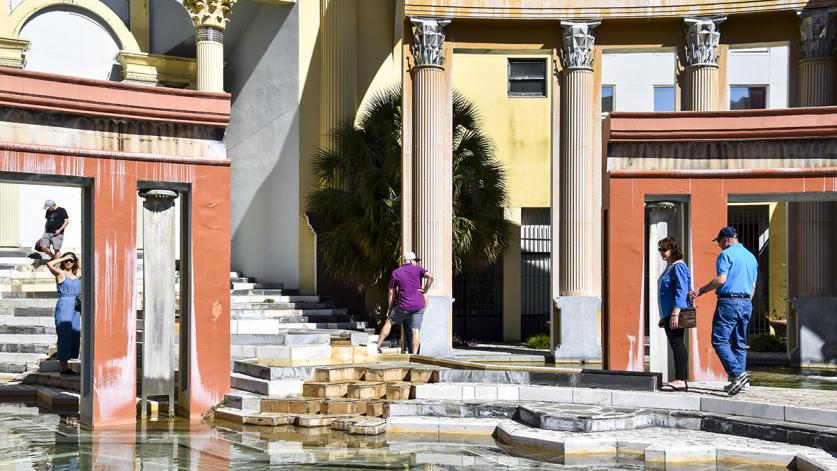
{"x": 527, "y": 77}
{"x": 607, "y": 98}
{"x": 747, "y": 98}
{"x": 664, "y": 98}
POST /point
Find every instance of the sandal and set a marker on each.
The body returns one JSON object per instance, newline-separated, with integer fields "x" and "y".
{"x": 668, "y": 387}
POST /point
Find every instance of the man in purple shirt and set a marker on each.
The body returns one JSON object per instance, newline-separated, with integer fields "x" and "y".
{"x": 407, "y": 281}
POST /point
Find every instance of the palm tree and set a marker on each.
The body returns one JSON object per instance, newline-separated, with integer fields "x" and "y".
{"x": 360, "y": 193}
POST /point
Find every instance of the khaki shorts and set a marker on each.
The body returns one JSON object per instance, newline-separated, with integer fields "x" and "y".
{"x": 50, "y": 239}
{"x": 410, "y": 319}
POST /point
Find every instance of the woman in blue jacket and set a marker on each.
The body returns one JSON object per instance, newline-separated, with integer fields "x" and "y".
{"x": 674, "y": 285}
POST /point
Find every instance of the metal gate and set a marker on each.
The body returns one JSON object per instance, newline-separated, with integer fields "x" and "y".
{"x": 535, "y": 250}
{"x": 478, "y": 305}
{"x": 752, "y": 222}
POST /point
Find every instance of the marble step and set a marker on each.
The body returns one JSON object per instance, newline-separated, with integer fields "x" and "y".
{"x": 261, "y": 298}
{"x": 40, "y": 348}
{"x": 38, "y": 312}
{"x": 284, "y": 355}
{"x": 26, "y": 325}
{"x": 282, "y": 338}
{"x": 272, "y": 373}
{"x": 276, "y": 388}
{"x": 249, "y": 285}
{"x": 245, "y": 314}
{"x": 276, "y": 325}
{"x": 21, "y": 358}
{"x": 27, "y": 303}
{"x": 275, "y": 306}
{"x": 28, "y": 294}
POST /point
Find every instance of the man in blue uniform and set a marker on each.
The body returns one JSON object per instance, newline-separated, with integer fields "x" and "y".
{"x": 735, "y": 283}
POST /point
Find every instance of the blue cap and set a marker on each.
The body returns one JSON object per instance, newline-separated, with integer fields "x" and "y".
{"x": 726, "y": 232}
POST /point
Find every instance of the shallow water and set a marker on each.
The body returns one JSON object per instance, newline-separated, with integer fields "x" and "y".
{"x": 786, "y": 377}
{"x": 33, "y": 439}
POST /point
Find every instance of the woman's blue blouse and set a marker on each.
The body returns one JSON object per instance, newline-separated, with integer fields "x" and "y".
{"x": 674, "y": 285}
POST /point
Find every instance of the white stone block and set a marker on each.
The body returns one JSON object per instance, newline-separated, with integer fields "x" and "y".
{"x": 591, "y": 396}
{"x": 468, "y": 392}
{"x": 754, "y": 457}
{"x": 412, "y": 425}
{"x": 812, "y": 416}
{"x": 484, "y": 392}
{"x": 545, "y": 394}
{"x": 588, "y": 446}
{"x": 467, "y": 426}
{"x": 655, "y": 400}
{"x": 508, "y": 392}
{"x": 441, "y": 391}
{"x": 742, "y": 408}
{"x": 659, "y": 454}
{"x": 631, "y": 448}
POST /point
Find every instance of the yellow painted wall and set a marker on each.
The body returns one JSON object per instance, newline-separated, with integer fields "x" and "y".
{"x": 378, "y": 67}
{"x": 518, "y": 126}
{"x": 778, "y": 264}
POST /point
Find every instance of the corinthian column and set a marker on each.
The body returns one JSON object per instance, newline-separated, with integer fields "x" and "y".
{"x": 432, "y": 182}
{"x": 432, "y": 159}
{"x": 812, "y": 257}
{"x": 576, "y": 157}
{"x": 816, "y": 59}
{"x": 210, "y": 17}
{"x": 577, "y": 331}
{"x": 702, "y": 39}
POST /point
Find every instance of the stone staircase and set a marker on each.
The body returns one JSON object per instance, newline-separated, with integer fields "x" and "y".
{"x": 353, "y": 398}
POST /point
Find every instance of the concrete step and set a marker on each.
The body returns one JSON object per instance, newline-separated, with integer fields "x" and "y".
{"x": 275, "y": 306}
{"x": 281, "y": 338}
{"x": 39, "y": 312}
{"x": 39, "y": 348}
{"x": 251, "y": 285}
{"x": 42, "y": 326}
{"x": 276, "y": 313}
{"x": 27, "y": 303}
{"x": 28, "y": 294}
{"x": 278, "y": 388}
{"x": 41, "y": 339}
{"x": 261, "y": 298}
{"x": 277, "y": 325}
{"x": 21, "y": 358}
{"x": 284, "y": 355}
{"x": 273, "y": 373}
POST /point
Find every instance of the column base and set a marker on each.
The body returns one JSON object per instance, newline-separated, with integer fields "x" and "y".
{"x": 436, "y": 327}
{"x": 575, "y": 332}
{"x": 816, "y": 331}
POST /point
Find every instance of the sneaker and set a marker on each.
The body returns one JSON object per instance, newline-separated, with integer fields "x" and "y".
{"x": 379, "y": 350}
{"x": 743, "y": 388}
{"x": 738, "y": 383}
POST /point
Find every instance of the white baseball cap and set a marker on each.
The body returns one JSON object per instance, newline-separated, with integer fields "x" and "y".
{"x": 48, "y": 204}
{"x": 409, "y": 256}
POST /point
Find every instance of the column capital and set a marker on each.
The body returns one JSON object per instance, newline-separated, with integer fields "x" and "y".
{"x": 702, "y": 38}
{"x": 577, "y": 48}
{"x": 428, "y": 47}
{"x": 816, "y": 31}
{"x": 209, "y": 13}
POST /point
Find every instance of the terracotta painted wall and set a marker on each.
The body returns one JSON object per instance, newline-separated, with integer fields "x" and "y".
{"x": 625, "y": 246}
{"x": 112, "y": 394}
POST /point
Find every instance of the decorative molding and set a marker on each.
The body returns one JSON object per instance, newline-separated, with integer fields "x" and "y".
{"x": 606, "y": 9}
{"x": 702, "y": 38}
{"x": 428, "y": 48}
{"x": 816, "y": 30}
{"x": 577, "y": 48}
{"x": 158, "y": 69}
{"x": 13, "y": 52}
{"x": 100, "y": 98}
{"x": 210, "y": 13}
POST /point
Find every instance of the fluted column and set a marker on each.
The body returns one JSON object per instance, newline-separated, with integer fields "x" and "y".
{"x": 576, "y": 140}
{"x": 432, "y": 155}
{"x": 338, "y": 64}
{"x": 702, "y": 37}
{"x": 663, "y": 221}
{"x": 813, "y": 220}
{"x": 9, "y": 215}
{"x": 210, "y": 17}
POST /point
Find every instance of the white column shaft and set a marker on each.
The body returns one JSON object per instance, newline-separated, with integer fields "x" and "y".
{"x": 338, "y": 63}
{"x": 9, "y": 215}
{"x": 432, "y": 177}
{"x": 210, "y": 57}
{"x": 702, "y": 86}
{"x": 576, "y": 180}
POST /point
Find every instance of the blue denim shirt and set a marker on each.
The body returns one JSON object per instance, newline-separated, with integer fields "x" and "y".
{"x": 674, "y": 285}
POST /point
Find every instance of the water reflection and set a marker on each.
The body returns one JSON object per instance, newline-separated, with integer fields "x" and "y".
{"x": 33, "y": 439}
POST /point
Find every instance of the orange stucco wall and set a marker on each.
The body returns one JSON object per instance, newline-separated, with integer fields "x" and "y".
{"x": 708, "y": 196}
{"x": 114, "y": 189}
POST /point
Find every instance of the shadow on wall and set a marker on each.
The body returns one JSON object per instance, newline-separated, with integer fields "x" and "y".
{"x": 817, "y": 324}
{"x": 263, "y": 143}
